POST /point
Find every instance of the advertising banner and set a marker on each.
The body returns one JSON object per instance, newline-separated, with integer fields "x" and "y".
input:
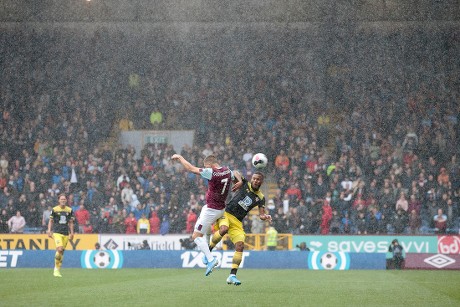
{"x": 37, "y": 259}
{"x": 449, "y": 244}
{"x": 368, "y": 244}
{"x": 135, "y": 242}
{"x": 433, "y": 261}
{"x": 114, "y": 259}
{"x": 43, "y": 242}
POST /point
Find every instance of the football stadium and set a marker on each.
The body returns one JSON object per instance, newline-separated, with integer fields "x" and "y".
{"x": 230, "y": 153}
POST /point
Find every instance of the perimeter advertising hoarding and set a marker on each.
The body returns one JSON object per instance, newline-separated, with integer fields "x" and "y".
{"x": 133, "y": 242}
{"x": 368, "y": 244}
{"x": 353, "y": 244}
{"x": 449, "y": 244}
{"x": 43, "y": 242}
{"x": 87, "y": 241}
{"x": 432, "y": 261}
{"x": 115, "y": 259}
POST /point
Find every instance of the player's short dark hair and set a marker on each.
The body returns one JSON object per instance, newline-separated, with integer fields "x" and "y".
{"x": 260, "y": 174}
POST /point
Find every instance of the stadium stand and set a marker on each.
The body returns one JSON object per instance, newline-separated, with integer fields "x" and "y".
{"x": 358, "y": 110}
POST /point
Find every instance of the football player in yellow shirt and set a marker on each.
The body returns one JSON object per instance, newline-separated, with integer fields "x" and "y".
{"x": 61, "y": 229}
{"x": 246, "y": 198}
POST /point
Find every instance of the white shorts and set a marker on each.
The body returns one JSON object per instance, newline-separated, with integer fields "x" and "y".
{"x": 207, "y": 217}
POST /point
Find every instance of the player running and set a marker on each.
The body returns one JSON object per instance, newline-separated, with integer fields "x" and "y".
{"x": 219, "y": 179}
{"x": 60, "y": 224}
{"x": 239, "y": 206}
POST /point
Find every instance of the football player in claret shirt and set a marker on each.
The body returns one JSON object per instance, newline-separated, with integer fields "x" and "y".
{"x": 219, "y": 179}
{"x": 61, "y": 229}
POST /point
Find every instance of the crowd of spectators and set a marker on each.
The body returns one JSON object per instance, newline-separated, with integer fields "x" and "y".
{"x": 381, "y": 157}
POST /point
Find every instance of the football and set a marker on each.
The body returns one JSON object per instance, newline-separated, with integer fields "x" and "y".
{"x": 259, "y": 160}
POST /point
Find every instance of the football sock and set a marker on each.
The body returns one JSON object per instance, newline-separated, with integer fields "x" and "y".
{"x": 58, "y": 260}
{"x": 237, "y": 258}
{"x": 203, "y": 246}
{"x": 216, "y": 237}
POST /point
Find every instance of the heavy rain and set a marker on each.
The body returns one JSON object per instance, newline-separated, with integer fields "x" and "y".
{"x": 116, "y": 106}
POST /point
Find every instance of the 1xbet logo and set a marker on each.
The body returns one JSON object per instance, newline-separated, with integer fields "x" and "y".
{"x": 449, "y": 245}
{"x": 9, "y": 258}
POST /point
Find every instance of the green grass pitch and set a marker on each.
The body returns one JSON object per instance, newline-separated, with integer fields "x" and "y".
{"x": 189, "y": 287}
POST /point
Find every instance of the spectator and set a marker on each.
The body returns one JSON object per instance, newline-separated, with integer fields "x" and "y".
{"x": 33, "y": 216}
{"x": 271, "y": 238}
{"x": 402, "y": 202}
{"x": 105, "y": 223}
{"x": 294, "y": 193}
{"x": 311, "y": 223}
{"x": 131, "y": 224}
{"x": 4, "y": 228}
{"x": 451, "y": 213}
{"x": 164, "y": 226}
{"x": 190, "y": 221}
{"x": 118, "y": 221}
{"x": 155, "y": 223}
{"x": 138, "y": 210}
{"x": 87, "y": 228}
{"x": 414, "y": 204}
{"x": 282, "y": 164}
{"x": 82, "y": 216}
{"x": 440, "y": 222}
{"x": 373, "y": 223}
{"x": 443, "y": 177}
{"x": 143, "y": 225}
{"x": 95, "y": 220}
{"x": 17, "y": 223}
{"x": 326, "y": 217}
{"x": 156, "y": 118}
{"x": 399, "y": 221}
{"x": 46, "y": 217}
{"x": 257, "y": 225}
{"x": 361, "y": 224}
{"x": 335, "y": 226}
{"x": 346, "y": 225}
{"x": 127, "y": 195}
{"x": 415, "y": 222}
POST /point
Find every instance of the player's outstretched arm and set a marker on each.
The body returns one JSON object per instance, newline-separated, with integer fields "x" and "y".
{"x": 263, "y": 216}
{"x": 188, "y": 166}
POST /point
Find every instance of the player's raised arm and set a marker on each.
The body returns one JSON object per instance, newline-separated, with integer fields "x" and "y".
{"x": 188, "y": 166}
{"x": 237, "y": 181}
